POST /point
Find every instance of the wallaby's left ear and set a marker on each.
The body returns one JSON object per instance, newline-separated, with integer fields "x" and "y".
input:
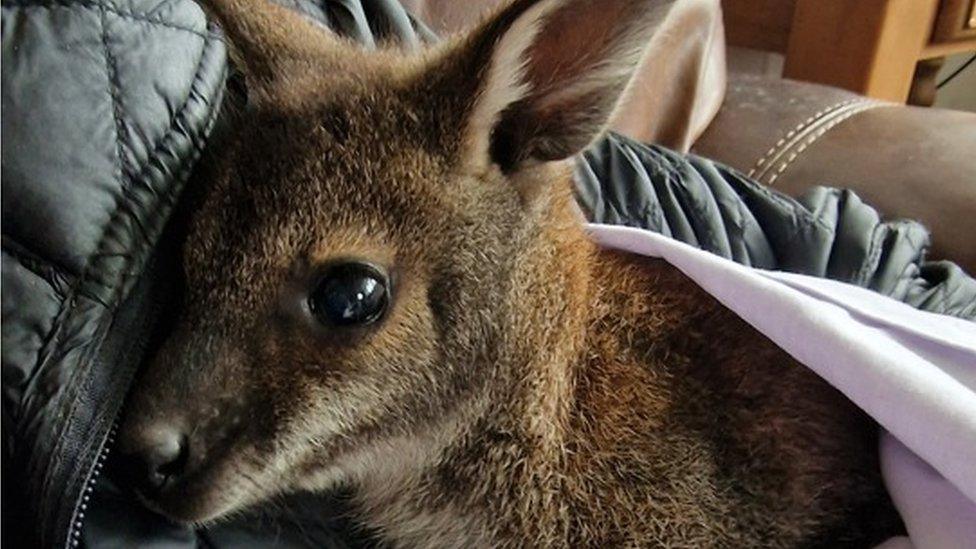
{"x": 549, "y": 74}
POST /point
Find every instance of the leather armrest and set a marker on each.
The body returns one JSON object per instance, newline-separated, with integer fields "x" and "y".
{"x": 908, "y": 162}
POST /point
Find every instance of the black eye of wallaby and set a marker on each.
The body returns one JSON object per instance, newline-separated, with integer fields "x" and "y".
{"x": 350, "y": 294}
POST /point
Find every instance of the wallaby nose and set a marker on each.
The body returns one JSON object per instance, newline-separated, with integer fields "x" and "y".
{"x": 160, "y": 460}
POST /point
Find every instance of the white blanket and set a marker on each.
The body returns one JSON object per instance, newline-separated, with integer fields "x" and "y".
{"x": 912, "y": 371}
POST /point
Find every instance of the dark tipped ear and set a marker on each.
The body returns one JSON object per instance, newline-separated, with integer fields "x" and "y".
{"x": 266, "y": 40}
{"x": 551, "y": 73}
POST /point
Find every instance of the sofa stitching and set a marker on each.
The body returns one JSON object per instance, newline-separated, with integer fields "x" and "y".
{"x": 798, "y": 136}
{"x": 820, "y": 133}
{"x": 789, "y": 135}
{"x": 65, "y": 4}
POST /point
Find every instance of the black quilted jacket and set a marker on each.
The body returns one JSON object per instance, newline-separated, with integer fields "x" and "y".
{"x": 106, "y": 107}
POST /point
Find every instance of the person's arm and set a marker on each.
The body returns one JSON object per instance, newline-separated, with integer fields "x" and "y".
{"x": 827, "y": 232}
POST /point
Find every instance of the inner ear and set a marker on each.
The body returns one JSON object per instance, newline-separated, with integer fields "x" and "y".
{"x": 526, "y": 133}
{"x": 553, "y": 74}
{"x": 505, "y": 146}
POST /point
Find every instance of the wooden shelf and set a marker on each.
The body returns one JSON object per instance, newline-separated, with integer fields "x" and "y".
{"x": 868, "y": 46}
{"x": 945, "y": 49}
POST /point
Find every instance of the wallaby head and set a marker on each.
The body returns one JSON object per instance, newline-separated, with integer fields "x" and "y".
{"x": 389, "y": 239}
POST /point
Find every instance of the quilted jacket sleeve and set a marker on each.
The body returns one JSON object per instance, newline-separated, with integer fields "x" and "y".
{"x": 827, "y": 232}
{"x": 105, "y": 107}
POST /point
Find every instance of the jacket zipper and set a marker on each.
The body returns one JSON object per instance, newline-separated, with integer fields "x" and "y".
{"x": 77, "y": 522}
{"x": 150, "y": 316}
{"x": 81, "y": 506}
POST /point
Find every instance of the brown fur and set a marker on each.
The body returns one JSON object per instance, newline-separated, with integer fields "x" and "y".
{"x": 526, "y": 388}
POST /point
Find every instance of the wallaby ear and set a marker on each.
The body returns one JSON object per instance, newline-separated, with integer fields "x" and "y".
{"x": 550, "y": 75}
{"x": 266, "y": 40}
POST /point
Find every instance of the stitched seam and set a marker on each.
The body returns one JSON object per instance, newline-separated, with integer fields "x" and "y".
{"x": 184, "y": 171}
{"x": 40, "y": 268}
{"x": 701, "y": 207}
{"x": 795, "y": 207}
{"x": 804, "y": 141}
{"x": 818, "y": 134}
{"x": 124, "y": 171}
{"x": 873, "y": 260}
{"x": 16, "y": 247}
{"x": 774, "y": 150}
{"x": 164, "y": 6}
{"x": 870, "y": 264}
{"x": 110, "y": 9}
{"x": 77, "y": 289}
{"x": 782, "y": 142}
{"x": 86, "y": 275}
{"x": 18, "y": 250}
{"x": 806, "y": 132}
{"x": 75, "y": 292}
{"x": 127, "y": 191}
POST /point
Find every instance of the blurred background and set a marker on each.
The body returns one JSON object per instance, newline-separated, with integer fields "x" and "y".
{"x": 919, "y": 52}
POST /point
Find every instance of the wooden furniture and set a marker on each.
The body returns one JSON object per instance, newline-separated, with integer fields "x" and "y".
{"x": 887, "y": 49}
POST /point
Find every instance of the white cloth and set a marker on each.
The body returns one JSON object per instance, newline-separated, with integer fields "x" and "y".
{"x": 914, "y": 372}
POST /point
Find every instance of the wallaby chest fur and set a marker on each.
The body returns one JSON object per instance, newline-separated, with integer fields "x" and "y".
{"x": 655, "y": 418}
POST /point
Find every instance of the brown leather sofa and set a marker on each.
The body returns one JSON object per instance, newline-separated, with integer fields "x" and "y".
{"x": 909, "y": 162}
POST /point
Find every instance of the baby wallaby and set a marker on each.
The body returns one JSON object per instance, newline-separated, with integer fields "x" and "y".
{"x": 390, "y": 290}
